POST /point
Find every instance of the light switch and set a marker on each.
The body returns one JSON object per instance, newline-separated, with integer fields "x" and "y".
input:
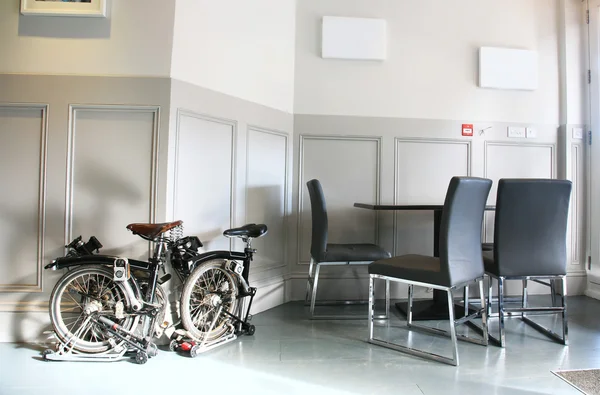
{"x": 531, "y": 133}
{"x": 578, "y": 133}
{"x": 514, "y": 131}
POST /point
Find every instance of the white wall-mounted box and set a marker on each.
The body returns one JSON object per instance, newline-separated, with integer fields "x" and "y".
{"x": 354, "y": 38}
{"x": 507, "y": 68}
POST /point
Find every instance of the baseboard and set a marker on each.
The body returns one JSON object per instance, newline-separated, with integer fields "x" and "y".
{"x": 270, "y": 292}
{"x": 593, "y": 290}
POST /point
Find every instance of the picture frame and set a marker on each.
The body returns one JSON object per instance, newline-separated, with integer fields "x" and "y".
{"x": 81, "y": 8}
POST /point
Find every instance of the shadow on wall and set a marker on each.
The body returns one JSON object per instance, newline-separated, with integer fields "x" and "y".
{"x": 22, "y": 320}
{"x": 265, "y": 204}
{"x": 103, "y": 190}
{"x": 64, "y": 26}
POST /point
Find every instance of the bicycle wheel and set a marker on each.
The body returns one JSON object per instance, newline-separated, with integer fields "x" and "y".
{"x": 78, "y": 294}
{"x": 209, "y": 286}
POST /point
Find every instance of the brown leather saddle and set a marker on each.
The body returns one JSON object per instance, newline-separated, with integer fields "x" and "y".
{"x": 152, "y": 230}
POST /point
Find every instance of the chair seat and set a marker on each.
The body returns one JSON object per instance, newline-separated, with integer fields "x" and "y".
{"x": 412, "y": 267}
{"x": 354, "y": 253}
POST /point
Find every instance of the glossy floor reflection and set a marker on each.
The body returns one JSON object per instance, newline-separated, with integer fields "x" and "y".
{"x": 290, "y": 354}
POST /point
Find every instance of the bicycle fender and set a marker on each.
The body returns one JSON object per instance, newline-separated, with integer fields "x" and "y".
{"x": 70, "y": 261}
{"x": 210, "y": 255}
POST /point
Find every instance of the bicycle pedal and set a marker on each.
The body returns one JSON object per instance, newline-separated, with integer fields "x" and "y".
{"x": 164, "y": 278}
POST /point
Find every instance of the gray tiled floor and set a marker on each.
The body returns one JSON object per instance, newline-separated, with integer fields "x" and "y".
{"x": 291, "y": 355}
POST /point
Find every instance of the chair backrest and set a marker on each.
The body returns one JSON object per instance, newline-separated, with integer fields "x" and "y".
{"x": 460, "y": 229}
{"x": 318, "y": 244}
{"x": 530, "y": 232}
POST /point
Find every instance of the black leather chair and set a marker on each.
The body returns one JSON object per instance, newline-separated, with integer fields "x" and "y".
{"x": 323, "y": 253}
{"x": 460, "y": 263}
{"x": 530, "y": 233}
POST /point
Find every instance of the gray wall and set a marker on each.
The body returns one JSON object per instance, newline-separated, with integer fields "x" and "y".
{"x": 88, "y": 155}
{"x": 231, "y": 165}
{"x": 410, "y": 161}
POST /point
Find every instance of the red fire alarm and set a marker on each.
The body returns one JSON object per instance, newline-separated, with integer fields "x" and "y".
{"x": 467, "y": 129}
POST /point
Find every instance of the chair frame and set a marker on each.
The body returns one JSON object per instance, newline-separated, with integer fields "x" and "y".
{"x": 311, "y": 294}
{"x": 482, "y": 312}
{"x": 510, "y": 312}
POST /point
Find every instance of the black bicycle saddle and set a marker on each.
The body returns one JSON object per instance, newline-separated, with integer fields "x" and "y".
{"x": 248, "y": 230}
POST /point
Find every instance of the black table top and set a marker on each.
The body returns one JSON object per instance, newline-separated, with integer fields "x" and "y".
{"x": 423, "y": 207}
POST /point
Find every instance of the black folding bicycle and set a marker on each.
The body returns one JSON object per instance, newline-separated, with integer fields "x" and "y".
{"x": 109, "y": 307}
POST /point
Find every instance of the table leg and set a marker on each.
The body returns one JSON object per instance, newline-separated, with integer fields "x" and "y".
{"x": 436, "y": 308}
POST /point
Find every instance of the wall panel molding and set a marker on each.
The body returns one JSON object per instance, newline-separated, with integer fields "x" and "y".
{"x": 183, "y": 112}
{"x": 522, "y": 145}
{"x": 253, "y": 128}
{"x": 40, "y": 306}
{"x": 488, "y": 144}
{"x": 577, "y": 176}
{"x": 72, "y": 132}
{"x": 377, "y": 186}
{"x": 424, "y": 140}
{"x": 41, "y": 233}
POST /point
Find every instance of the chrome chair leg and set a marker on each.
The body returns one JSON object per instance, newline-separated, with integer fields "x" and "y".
{"x": 501, "y": 310}
{"x": 371, "y": 306}
{"x": 466, "y": 299}
{"x": 309, "y": 281}
{"x": 524, "y": 300}
{"x": 564, "y": 313}
{"x": 484, "y": 319}
{"x": 488, "y": 305}
{"x": 314, "y": 290}
{"x": 410, "y": 305}
{"x": 387, "y": 298}
{"x": 553, "y": 292}
{"x": 452, "y": 333}
{"x": 452, "y": 328}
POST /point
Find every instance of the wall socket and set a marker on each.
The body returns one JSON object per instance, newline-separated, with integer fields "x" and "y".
{"x": 519, "y": 132}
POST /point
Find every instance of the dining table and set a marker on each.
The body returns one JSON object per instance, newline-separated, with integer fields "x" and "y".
{"x": 428, "y": 309}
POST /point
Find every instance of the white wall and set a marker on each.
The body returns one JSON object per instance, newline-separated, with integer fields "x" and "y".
{"x": 135, "y": 40}
{"x": 230, "y": 165}
{"x": 431, "y": 71}
{"x": 238, "y": 47}
{"x": 574, "y": 47}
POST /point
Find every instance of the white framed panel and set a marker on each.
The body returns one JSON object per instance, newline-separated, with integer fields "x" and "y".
{"x": 354, "y": 38}
{"x": 349, "y": 175}
{"x": 90, "y": 8}
{"x": 508, "y": 68}
{"x": 423, "y": 169}
{"x": 266, "y": 192}
{"x": 204, "y": 177}
{"x": 577, "y": 201}
{"x": 111, "y": 175}
{"x": 514, "y": 160}
{"x": 23, "y": 137}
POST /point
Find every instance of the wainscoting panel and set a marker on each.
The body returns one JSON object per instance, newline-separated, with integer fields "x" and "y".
{"x": 266, "y": 193}
{"x": 23, "y": 133}
{"x": 423, "y": 169}
{"x": 577, "y": 220}
{"x": 204, "y": 177}
{"x": 348, "y": 169}
{"x": 111, "y": 175}
{"x": 514, "y": 160}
